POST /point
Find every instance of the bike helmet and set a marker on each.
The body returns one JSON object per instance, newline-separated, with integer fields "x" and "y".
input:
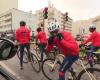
{"x": 93, "y": 26}
{"x": 22, "y": 23}
{"x": 8, "y": 49}
{"x": 53, "y": 26}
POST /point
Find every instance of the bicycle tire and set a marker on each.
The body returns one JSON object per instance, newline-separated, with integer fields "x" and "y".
{"x": 43, "y": 69}
{"x": 89, "y": 70}
{"x": 38, "y": 53}
{"x": 24, "y": 60}
{"x": 94, "y": 61}
{"x": 34, "y": 61}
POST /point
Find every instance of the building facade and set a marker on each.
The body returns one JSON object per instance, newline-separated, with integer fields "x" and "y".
{"x": 82, "y": 26}
{"x": 53, "y": 14}
{"x": 9, "y": 21}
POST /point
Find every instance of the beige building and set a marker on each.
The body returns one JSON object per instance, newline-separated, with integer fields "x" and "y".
{"x": 9, "y": 20}
{"x": 5, "y": 5}
{"x": 53, "y": 14}
{"x": 82, "y": 26}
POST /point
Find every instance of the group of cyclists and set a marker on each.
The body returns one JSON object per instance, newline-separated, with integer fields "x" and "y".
{"x": 62, "y": 39}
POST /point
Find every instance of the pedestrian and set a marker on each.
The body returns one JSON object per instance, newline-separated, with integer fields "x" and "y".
{"x": 23, "y": 37}
{"x": 41, "y": 37}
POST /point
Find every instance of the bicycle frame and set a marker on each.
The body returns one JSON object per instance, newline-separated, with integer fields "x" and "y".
{"x": 80, "y": 63}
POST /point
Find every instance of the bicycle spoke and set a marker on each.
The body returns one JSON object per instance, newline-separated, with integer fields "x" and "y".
{"x": 93, "y": 74}
{"x": 50, "y": 70}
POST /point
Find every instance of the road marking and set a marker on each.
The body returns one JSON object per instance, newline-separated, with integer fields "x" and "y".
{"x": 9, "y": 70}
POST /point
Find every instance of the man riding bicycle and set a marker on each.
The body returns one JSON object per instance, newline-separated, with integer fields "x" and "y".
{"x": 67, "y": 45}
{"x": 95, "y": 39}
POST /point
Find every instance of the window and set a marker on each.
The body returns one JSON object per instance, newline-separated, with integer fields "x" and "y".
{"x": 8, "y": 20}
{"x": 7, "y": 15}
{"x": 9, "y": 25}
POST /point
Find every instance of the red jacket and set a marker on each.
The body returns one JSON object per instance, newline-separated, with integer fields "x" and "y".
{"x": 41, "y": 36}
{"x": 94, "y": 38}
{"x": 68, "y": 46}
{"x": 23, "y": 35}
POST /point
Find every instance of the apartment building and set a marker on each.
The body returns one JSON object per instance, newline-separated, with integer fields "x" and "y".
{"x": 9, "y": 20}
{"x": 82, "y": 26}
{"x": 54, "y": 14}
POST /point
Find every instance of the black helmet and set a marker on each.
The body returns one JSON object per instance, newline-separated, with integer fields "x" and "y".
{"x": 8, "y": 49}
{"x": 22, "y": 23}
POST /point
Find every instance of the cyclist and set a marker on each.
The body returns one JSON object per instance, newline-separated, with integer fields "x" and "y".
{"x": 41, "y": 37}
{"x": 95, "y": 39}
{"x": 67, "y": 45}
{"x": 23, "y": 37}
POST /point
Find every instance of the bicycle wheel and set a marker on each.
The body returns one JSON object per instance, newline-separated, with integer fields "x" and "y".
{"x": 48, "y": 72}
{"x": 38, "y": 54}
{"x": 35, "y": 63}
{"x": 93, "y": 72}
{"x": 25, "y": 58}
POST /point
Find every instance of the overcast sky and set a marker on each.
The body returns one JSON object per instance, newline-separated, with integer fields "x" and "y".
{"x": 77, "y": 9}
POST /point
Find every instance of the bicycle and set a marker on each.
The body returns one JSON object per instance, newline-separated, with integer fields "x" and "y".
{"x": 25, "y": 58}
{"x": 50, "y": 68}
{"x": 33, "y": 59}
{"x": 52, "y": 54}
{"x": 37, "y": 51}
{"x": 95, "y": 59}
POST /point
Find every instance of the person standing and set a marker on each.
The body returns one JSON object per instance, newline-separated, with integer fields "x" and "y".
{"x": 41, "y": 37}
{"x": 23, "y": 37}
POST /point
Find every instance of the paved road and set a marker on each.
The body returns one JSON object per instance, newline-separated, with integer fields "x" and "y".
{"x": 13, "y": 67}
{"x": 28, "y": 73}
